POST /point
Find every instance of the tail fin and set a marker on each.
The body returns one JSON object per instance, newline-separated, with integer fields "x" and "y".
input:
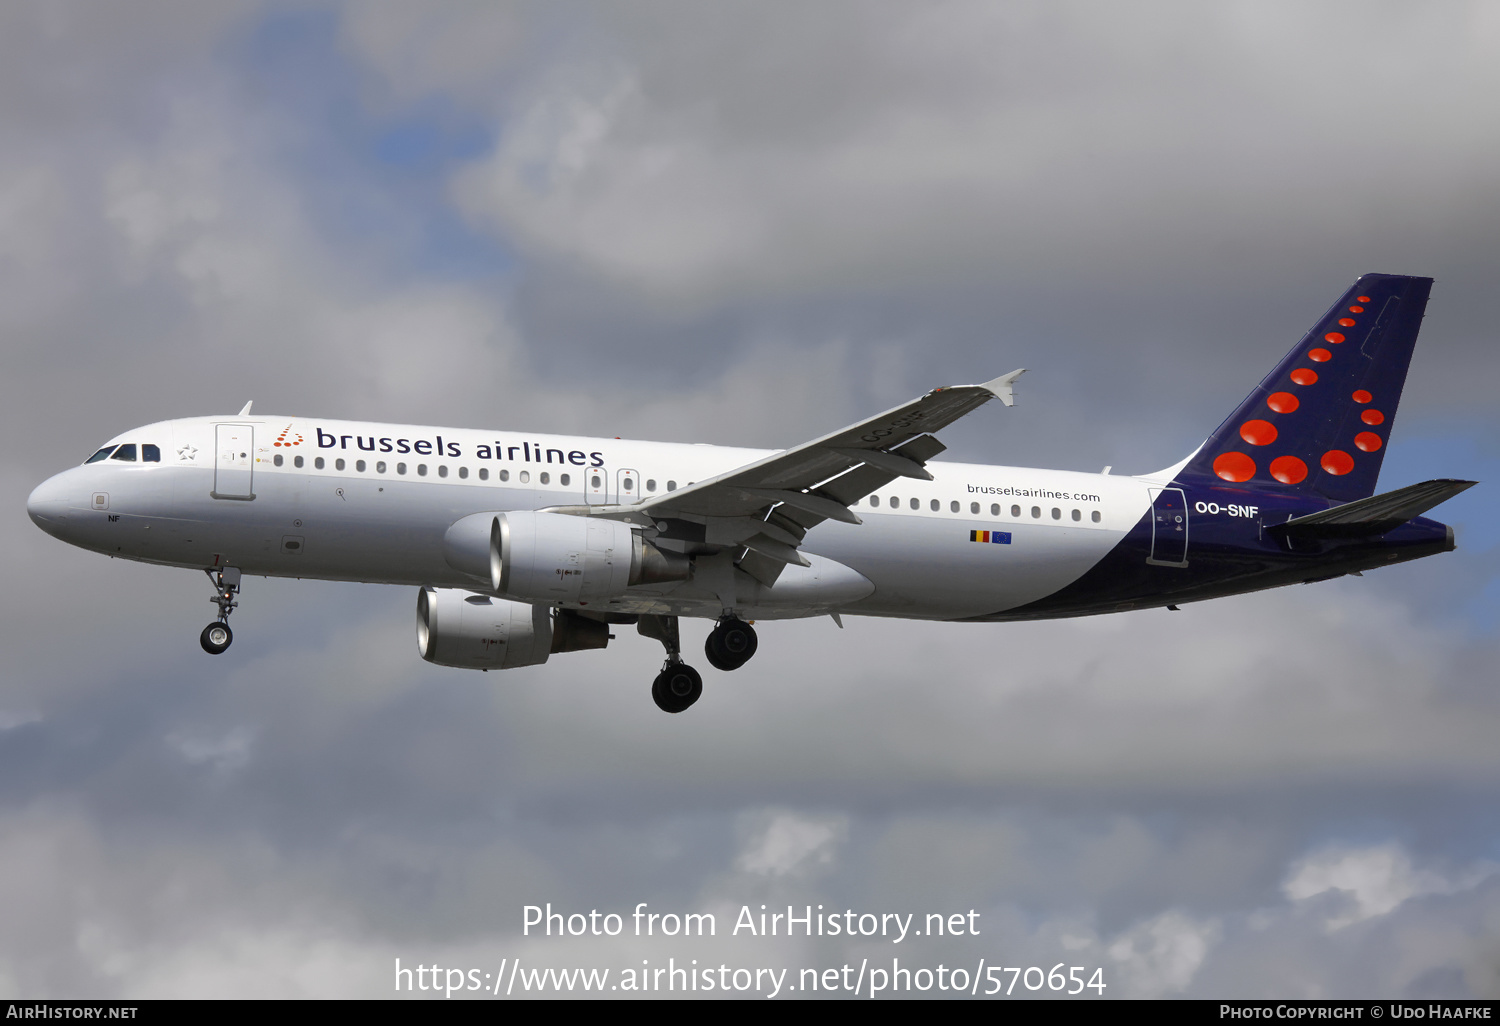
{"x": 1319, "y": 421}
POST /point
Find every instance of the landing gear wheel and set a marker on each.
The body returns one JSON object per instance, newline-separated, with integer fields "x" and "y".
{"x": 731, "y": 644}
{"x": 216, "y": 637}
{"x": 676, "y": 687}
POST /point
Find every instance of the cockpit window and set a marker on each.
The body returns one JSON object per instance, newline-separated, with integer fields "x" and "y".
{"x": 101, "y": 454}
{"x": 125, "y": 452}
{"x": 150, "y": 454}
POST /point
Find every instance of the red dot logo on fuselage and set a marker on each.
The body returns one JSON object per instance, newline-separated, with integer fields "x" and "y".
{"x": 281, "y": 438}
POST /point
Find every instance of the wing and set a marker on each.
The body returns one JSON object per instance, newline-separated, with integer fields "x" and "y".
{"x": 767, "y": 507}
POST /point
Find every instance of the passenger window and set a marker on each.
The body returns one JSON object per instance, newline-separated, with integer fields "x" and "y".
{"x": 505, "y": 475}
{"x": 544, "y": 478}
{"x": 953, "y": 506}
{"x": 1015, "y": 511}
{"x": 318, "y": 463}
{"x": 421, "y": 470}
{"x": 277, "y": 459}
{"x": 1056, "y": 513}
{"x": 101, "y": 454}
{"x": 874, "y": 500}
{"x": 564, "y": 480}
{"x": 442, "y": 470}
{"x": 936, "y": 505}
{"x": 401, "y": 468}
{"x": 338, "y": 464}
{"x": 463, "y": 473}
{"x": 1077, "y": 515}
{"x": 380, "y": 467}
{"x": 628, "y": 483}
{"x": 650, "y": 484}
{"x": 895, "y": 502}
{"x": 1095, "y": 516}
{"x": 125, "y": 453}
{"x": 359, "y": 465}
{"x": 974, "y": 508}
{"x": 151, "y": 454}
{"x": 1036, "y": 512}
{"x": 484, "y": 473}
{"x": 525, "y": 476}
{"x": 297, "y": 462}
{"x": 671, "y": 486}
{"x": 916, "y": 503}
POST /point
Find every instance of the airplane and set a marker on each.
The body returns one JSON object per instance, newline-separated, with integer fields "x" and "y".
{"x": 525, "y": 545}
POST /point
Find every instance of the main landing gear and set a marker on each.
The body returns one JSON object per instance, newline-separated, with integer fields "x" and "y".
{"x": 731, "y": 644}
{"x": 217, "y": 636}
{"x": 678, "y": 685}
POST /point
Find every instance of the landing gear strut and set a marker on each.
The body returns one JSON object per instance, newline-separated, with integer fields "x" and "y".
{"x": 217, "y": 636}
{"x": 731, "y": 644}
{"x": 678, "y": 685}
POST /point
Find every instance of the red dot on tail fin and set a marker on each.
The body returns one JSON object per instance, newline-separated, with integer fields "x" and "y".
{"x": 1337, "y": 462}
{"x": 1288, "y": 469}
{"x": 1367, "y": 441}
{"x": 1258, "y": 432}
{"x": 1234, "y": 466}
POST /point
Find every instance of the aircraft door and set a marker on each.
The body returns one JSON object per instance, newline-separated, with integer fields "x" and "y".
{"x": 1169, "y": 527}
{"x": 596, "y": 486}
{"x": 628, "y": 488}
{"x": 234, "y": 460}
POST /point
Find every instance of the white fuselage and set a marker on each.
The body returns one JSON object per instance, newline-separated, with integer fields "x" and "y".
{"x": 357, "y": 501}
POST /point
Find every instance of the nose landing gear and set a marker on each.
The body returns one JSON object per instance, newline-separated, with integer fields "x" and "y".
{"x": 217, "y": 636}
{"x": 731, "y": 644}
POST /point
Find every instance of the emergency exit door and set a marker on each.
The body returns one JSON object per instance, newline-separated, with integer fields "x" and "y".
{"x": 596, "y": 486}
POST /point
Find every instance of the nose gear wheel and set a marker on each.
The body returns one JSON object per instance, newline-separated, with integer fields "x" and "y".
{"x": 217, "y": 636}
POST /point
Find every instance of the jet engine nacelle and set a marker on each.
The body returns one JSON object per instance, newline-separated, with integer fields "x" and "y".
{"x": 460, "y": 628}
{"x": 554, "y": 557}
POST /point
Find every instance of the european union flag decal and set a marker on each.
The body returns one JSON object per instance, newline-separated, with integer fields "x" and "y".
{"x": 992, "y": 537}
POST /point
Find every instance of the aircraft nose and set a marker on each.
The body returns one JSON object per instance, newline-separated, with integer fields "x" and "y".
{"x": 48, "y": 504}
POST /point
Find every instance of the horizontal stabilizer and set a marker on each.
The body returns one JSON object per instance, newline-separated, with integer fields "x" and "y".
{"x": 1375, "y": 515}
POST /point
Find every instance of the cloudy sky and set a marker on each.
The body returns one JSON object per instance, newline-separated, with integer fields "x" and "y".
{"x": 744, "y": 223}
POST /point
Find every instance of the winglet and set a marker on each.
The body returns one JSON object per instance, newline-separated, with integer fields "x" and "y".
{"x": 1002, "y": 387}
{"x": 246, "y": 411}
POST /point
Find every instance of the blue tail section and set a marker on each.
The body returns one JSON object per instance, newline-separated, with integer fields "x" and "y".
{"x": 1319, "y": 422}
